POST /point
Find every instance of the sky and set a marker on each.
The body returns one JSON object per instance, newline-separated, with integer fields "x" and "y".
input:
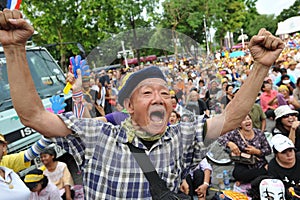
{"x": 273, "y": 6}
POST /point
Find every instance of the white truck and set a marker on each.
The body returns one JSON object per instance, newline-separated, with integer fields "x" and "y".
{"x": 49, "y": 80}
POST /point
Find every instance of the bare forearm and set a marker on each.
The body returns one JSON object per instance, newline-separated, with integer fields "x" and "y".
{"x": 23, "y": 91}
{"x": 68, "y": 192}
{"x": 239, "y": 106}
{"x": 292, "y": 135}
{"x": 245, "y": 98}
{"x": 207, "y": 174}
{"x": 25, "y": 98}
{"x": 263, "y": 125}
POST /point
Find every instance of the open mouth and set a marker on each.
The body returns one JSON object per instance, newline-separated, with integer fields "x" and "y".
{"x": 157, "y": 117}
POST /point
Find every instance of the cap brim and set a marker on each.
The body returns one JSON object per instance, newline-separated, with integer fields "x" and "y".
{"x": 290, "y": 112}
{"x": 283, "y": 149}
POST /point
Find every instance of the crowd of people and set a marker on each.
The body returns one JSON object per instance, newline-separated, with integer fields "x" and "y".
{"x": 170, "y": 110}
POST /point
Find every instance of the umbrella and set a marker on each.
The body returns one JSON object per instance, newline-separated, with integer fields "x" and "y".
{"x": 236, "y": 54}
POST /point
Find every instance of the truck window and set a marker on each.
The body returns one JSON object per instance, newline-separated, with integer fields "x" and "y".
{"x": 48, "y": 78}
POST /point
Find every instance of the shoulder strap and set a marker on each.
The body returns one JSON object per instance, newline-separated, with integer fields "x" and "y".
{"x": 145, "y": 164}
{"x": 243, "y": 137}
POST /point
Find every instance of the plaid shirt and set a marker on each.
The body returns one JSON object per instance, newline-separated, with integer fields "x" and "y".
{"x": 111, "y": 171}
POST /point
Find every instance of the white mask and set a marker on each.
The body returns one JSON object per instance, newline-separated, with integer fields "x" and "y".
{"x": 286, "y": 81}
{"x": 271, "y": 189}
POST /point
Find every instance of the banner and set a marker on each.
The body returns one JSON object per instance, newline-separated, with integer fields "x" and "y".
{"x": 290, "y": 25}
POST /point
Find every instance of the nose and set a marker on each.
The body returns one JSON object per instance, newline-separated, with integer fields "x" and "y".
{"x": 157, "y": 99}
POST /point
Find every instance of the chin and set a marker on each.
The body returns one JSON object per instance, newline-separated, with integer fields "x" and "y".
{"x": 156, "y": 128}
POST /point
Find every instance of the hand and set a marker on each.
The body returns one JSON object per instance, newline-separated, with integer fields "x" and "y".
{"x": 76, "y": 83}
{"x": 265, "y": 48}
{"x": 234, "y": 148}
{"x": 201, "y": 192}
{"x": 184, "y": 187}
{"x": 77, "y": 63}
{"x": 295, "y": 125}
{"x": 252, "y": 150}
{"x": 14, "y": 29}
{"x": 58, "y": 103}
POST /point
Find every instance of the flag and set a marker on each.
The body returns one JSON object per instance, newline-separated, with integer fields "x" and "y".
{"x": 13, "y": 4}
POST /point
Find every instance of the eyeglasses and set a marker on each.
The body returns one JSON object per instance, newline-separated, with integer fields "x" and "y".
{"x": 288, "y": 115}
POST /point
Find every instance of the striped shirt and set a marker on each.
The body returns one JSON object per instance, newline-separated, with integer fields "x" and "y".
{"x": 111, "y": 171}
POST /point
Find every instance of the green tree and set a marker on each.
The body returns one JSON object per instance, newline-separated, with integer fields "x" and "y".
{"x": 293, "y": 10}
{"x": 71, "y": 21}
{"x": 262, "y": 21}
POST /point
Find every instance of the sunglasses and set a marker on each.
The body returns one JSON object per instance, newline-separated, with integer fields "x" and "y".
{"x": 288, "y": 115}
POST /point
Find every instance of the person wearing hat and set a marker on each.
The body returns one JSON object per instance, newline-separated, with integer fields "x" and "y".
{"x": 40, "y": 186}
{"x": 22, "y": 160}
{"x": 292, "y": 70}
{"x": 286, "y": 123}
{"x": 109, "y": 168}
{"x": 286, "y": 163}
{"x": 11, "y": 185}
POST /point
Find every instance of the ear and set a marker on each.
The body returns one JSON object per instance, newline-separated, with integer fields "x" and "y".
{"x": 5, "y": 150}
{"x": 128, "y": 106}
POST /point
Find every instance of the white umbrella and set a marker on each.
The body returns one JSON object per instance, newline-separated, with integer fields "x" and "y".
{"x": 245, "y": 36}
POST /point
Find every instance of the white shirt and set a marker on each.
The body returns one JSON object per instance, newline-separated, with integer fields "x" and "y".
{"x": 51, "y": 192}
{"x": 19, "y": 190}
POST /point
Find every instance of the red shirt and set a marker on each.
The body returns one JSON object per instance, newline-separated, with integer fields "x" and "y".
{"x": 265, "y": 98}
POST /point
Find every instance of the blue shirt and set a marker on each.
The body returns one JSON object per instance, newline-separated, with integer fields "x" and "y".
{"x": 111, "y": 171}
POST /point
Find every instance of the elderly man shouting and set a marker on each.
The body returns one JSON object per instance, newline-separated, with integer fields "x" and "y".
{"x": 110, "y": 170}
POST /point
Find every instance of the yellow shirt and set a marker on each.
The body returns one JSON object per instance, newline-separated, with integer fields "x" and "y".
{"x": 15, "y": 161}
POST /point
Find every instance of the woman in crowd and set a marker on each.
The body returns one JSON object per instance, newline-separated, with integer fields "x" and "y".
{"x": 286, "y": 165}
{"x": 40, "y": 186}
{"x": 58, "y": 173}
{"x": 174, "y": 118}
{"x": 247, "y": 139}
{"x": 284, "y": 98}
{"x": 287, "y": 124}
{"x": 11, "y": 186}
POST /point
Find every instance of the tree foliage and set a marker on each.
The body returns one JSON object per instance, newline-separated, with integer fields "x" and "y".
{"x": 65, "y": 23}
{"x": 292, "y": 11}
{"x": 88, "y": 22}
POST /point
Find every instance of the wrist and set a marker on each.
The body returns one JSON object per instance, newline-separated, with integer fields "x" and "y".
{"x": 77, "y": 96}
{"x": 258, "y": 64}
{"x": 206, "y": 183}
{"x": 258, "y": 152}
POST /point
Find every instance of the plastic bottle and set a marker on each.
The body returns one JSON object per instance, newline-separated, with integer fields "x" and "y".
{"x": 226, "y": 180}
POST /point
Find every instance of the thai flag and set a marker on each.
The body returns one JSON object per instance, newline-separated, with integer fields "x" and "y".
{"x": 13, "y": 4}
